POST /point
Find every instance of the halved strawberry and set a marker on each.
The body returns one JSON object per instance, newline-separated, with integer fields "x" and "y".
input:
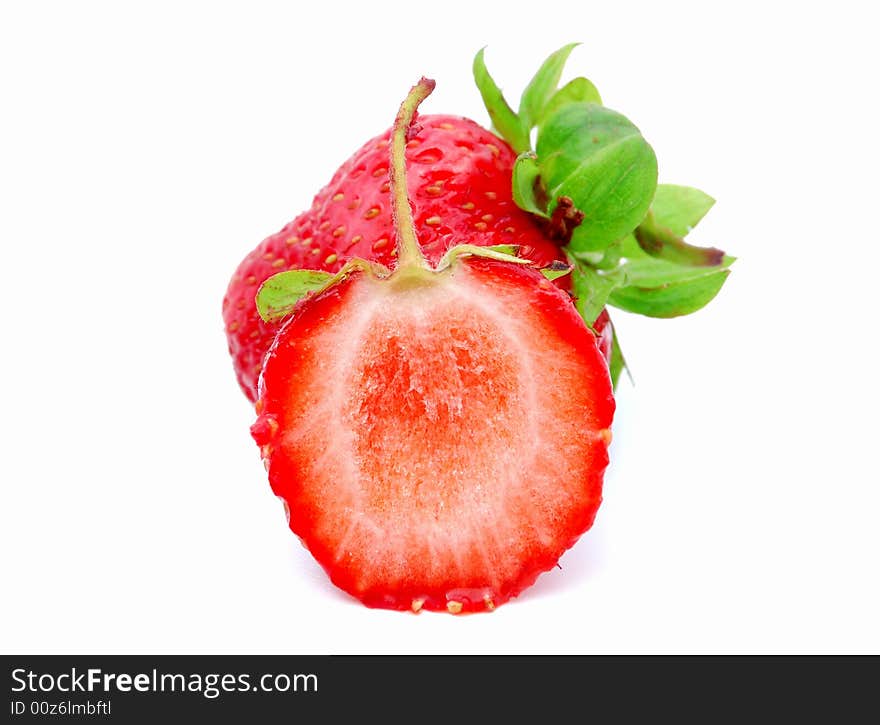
{"x": 438, "y": 432}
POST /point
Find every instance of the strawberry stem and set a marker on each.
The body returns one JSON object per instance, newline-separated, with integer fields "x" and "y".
{"x": 408, "y": 252}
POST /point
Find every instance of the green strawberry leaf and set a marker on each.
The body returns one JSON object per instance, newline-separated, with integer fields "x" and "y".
{"x": 510, "y": 249}
{"x": 556, "y": 269}
{"x": 660, "y": 241}
{"x": 504, "y": 120}
{"x": 649, "y": 272}
{"x": 617, "y": 364}
{"x": 597, "y": 157}
{"x": 501, "y": 252}
{"x": 592, "y": 289}
{"x": 528, "y": 191}
{"x": 673, "y": 213}
{"x": 542, "y": 87}
{"x": 578, "y": 90}
{"x": 627, "y": 244}
{"x": 609, "y": 258}
{"x": 279, "y": 294}
{"x": 594, "y": 259}
{"x": 680, "y": 208}
{"x": 630, "y": 248}
{"x": 657, "y": 288}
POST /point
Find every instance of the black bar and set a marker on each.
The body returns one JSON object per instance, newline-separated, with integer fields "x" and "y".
{"x": 301, "y": 688}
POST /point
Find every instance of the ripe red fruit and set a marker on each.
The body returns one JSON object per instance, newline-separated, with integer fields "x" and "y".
{"x": 459, "y": 186}
{"x": 438, "y": 432}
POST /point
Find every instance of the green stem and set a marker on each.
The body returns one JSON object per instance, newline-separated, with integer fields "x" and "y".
{"x": 408, "y": 252}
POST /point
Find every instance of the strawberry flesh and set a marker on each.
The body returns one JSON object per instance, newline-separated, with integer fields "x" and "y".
{"x": 437, "y": 444}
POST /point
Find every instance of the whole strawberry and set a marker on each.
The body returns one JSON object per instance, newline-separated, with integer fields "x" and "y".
{"x": 459, "y": 185}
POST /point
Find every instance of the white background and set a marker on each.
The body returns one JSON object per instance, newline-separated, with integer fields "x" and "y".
{"x": 146, "y": 148}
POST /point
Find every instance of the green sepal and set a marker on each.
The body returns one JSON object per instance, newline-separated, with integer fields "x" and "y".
{"x": 656, "y": 288}
{"x": 680, "y": 208}
{"x": 591, "y": 258}
{"x": 528, "y": 190}
{"x": 578, "y": 90}
{"x": 542, "y": 87}
{"x": 501, "y": 252}
{"x": 629, "y": 250}
{"x": 661, "y": 242}
{"x": 674, "y": 212}
{"x": 504, "y": 120}
{"x": 606, "y": 259}
{"x": 511, "y": 250}
{"x": 592, "y": 290}
{"x": 279, "y": 294}
{"x": 617, "y": 364}
{"x": 556, "y": 269}
{"x": 597, "y": 157}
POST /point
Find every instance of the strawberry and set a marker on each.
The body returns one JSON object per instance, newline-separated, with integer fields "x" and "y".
{"x": 429, "y": 346}
{"x": 437, "y": 429}
{"x": 459, "y": 185}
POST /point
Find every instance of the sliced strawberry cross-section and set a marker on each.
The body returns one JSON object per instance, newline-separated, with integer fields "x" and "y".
{"x": 438, "y": 433}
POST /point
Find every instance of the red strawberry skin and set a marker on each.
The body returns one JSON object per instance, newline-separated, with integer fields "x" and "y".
{"x": 437, "y": 450}
{"x": 459, "y": 183}
{"x": 604, "y": 334}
